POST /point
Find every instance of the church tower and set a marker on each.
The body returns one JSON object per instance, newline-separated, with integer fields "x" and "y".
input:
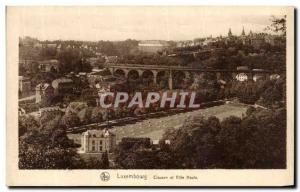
{"x": 243, "y": 36}
{"x": 243, "y": 32}
{"x": 229, "y": 33}
{"x": 250, "y": 33}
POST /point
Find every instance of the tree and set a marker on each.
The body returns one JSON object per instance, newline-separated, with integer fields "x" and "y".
{"x": 90, "y": 163}
{"x": 278, "y": 25}
{"x": 46, "y": 148}
{"x": 27, "y": 124}
{"x": 37, "y": 156}
{"x": 229, "y": 142}
{"x": 85, "y": 115}
{"x": 206, "y": 87}
{"x": 47, "y": 117}
{"x": 273, "y": 93}
{"x": 97, "y": 115}
{"x": 27, "y": 51}
{"x": 194, "y": 143}
{"x": 108, "y": 48}
{"x": 70, "y": 120}
{"x": 255, "y": 141}
{"x": 73, "y": 60}
{"x": 34, "y": 68}
{"x": 76, "y": 107}
{"x": 22, "y": 70}
{"x": 131, "y": 153}
{"x": 104, "y": 160}
{"x": 48, "y": 52}
{"x": 264, "y": 139}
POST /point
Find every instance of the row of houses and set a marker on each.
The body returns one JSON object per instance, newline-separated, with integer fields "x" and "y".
{"x": 97, "y": 80}
{"x": 57, "y": 46}
{"x": 43, "y": 65}
{"x": 52, "y": 65}
{"x": 254, "y": 39}
{"x": 103, "y": 80}
{"x": 153, "y": 46}
{"x": 60, "y": 86}
{"x": 254, "y": 74}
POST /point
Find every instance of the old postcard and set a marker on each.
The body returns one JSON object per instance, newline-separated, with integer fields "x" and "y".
{"x": 150, "y": 96}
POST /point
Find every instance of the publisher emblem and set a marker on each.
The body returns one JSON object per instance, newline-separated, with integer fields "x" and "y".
{"x": 104, "y": 176}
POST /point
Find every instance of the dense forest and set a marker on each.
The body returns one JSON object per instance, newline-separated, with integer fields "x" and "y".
{"x": 254, "y": 141}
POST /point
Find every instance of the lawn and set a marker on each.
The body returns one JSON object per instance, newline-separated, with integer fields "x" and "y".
{"x": 155, "y": 127}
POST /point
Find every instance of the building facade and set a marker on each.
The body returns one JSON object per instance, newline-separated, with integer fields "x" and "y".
{"x": 48, "y": 65}
{"x": 152, "y": 46}
{"x": 97, "y": 141}
{"x": 63, "y": 85}
{"x": 241, "y": 77}
{"x": 53, "y": 110}
{"x": 43, "y": 91}
{"x": 24, "y": 85}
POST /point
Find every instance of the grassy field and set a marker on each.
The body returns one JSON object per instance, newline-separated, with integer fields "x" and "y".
{"x": 154, "y": 128}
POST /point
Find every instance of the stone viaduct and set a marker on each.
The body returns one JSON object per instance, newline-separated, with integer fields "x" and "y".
{"x": 157, "y": 71}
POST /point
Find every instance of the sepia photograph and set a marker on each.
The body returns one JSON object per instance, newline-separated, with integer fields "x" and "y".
{"x": 150, "y": 96}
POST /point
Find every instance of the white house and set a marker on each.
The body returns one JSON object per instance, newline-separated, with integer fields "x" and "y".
{"x": 241, "y": 77}
{"x": 97, "y": 141}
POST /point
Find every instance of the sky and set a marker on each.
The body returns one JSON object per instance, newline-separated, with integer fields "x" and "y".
{"x": 140, "y": 23}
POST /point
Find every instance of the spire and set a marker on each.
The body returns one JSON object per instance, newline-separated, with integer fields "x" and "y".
{"x": 250, "y": 33}
{"x": 243, "y": 32}
{"x": 229, "y": 33}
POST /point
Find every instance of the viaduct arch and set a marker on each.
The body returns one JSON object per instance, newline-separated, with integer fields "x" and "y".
{"x": 174, "y": 75}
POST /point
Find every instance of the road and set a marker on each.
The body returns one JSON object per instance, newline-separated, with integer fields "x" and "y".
{"x": 27, "y": 98}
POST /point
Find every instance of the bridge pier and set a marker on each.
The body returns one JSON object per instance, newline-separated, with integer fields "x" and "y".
{"x": 187, "y": 74}
{"x": 112, "y": 70}
{"x": 250, "y": 76}
{"x": 126, "y": 71}
{"x": 140, "y": 72}
{"x": 154, "y": 76}
{"x": 170, "y": 80}
{"x": 170, "y": 71}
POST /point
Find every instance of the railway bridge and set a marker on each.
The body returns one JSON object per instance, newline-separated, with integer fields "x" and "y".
{"x": 157, "y": 72}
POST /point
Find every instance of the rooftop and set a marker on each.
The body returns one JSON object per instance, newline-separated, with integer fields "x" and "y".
{"x": 153, "y": 43}
{"x": 42, "y": 86}
{"x": 98, "y": 133}
{"x": 56, "y": 82}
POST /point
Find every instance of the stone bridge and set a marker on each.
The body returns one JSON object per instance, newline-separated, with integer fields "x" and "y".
{"x": 157, "y": 72}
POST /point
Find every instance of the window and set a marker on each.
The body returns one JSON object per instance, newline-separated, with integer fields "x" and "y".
{"x": 100, "y": 148}
{"x": 93, "y": 145}
{"x": 100, "y": 142}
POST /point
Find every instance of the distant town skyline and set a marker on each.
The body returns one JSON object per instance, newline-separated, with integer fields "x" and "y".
{"x": 145, "y": 23}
